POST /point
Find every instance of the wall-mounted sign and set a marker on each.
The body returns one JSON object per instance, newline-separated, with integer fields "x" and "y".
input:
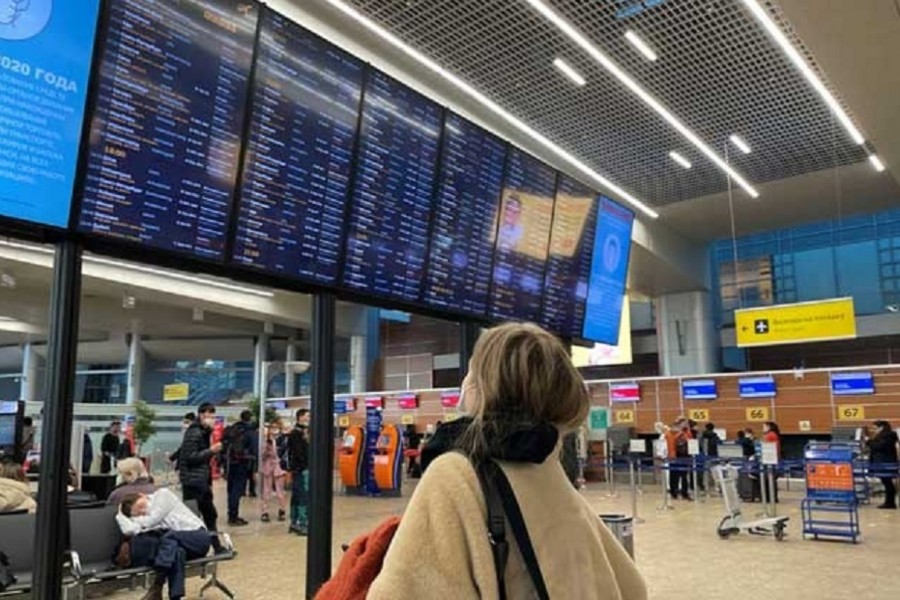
{"x": 176, "y": 392}
{"x": 793, "y": 323}
{"x": 449, "y": 399}
{"x": 624, "y": 417}
{"x": 375, "y": 402}
{"x": 698, "y": 414}
{"x": 757, "y": 387}
{"x": 408, "y": 401}
{"x": 758, "y": 414}
{"x": 857, "y": 383}
{"x": 625, "y": 392}
{"x": 699, "y": 389}
{"x": 851, "y": 413}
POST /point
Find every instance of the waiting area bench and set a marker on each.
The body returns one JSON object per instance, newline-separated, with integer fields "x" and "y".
{"x": 93, "y": 538}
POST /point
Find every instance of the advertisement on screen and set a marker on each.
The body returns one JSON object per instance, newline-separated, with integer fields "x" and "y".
{"x": 757, "y": 387}
{"x": 45, "y": 63}
{"x": 852, "y": 384}
{"x": 699, "y": 389}
{"x": 609, "y": 271}
{"x": 605, "y": 355}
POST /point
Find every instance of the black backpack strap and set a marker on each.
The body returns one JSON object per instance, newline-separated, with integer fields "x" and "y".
{"x": 496, "y": 523}
{"x": 498, "y": 491}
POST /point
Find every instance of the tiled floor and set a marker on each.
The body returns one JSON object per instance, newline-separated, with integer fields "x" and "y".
{"x": 677, "y": 550}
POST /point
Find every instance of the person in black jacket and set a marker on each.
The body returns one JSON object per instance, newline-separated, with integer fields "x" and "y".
{"x": 709, "y": 441}
{"x": 883, "y": 451}
{"x": 298, "y": 457}
{"x": 239, "y": 456}
{"x": 193, "y": 464}
{"x": 109, "y": 447}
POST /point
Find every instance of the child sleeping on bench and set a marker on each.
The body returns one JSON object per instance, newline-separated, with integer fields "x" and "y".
{"x": 165, "y": 534}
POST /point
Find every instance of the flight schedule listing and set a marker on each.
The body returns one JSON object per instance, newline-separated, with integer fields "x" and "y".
{"x": 166, "y": 135}
{"x": 396, "y": 168}
{"x": 523, "y": 236}
{"x": 569, "y": 259}
{"x": 306, "y": 97}
{"x": 462, "y": 239}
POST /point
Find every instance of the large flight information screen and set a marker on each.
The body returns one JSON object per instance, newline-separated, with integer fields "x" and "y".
{"x": 166, "y": 135}
{"x": 306, "y": 97}
{"x": 569, "y": 259}
{"x": 45, "y": 61}
{"x": 395, "y": 174}
{"x": 462, "y": 240}
{"x": 523, "y": 236}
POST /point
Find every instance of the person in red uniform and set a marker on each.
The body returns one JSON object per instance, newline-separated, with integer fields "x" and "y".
{"x": 772, "y": 434}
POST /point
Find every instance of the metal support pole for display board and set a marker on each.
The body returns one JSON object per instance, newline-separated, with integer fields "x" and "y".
{"x": 58, "y": 415}
{"x": 321, "y": 463}
{"x": 468, "y": 335}
{"x": 610, "y": 473}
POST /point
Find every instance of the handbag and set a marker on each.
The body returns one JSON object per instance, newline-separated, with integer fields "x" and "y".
{"x": 7, "y": 578}
{"x": 502, "y": 505}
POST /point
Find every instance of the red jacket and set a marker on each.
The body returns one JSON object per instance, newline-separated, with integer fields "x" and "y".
{"x": 361, "y": 564}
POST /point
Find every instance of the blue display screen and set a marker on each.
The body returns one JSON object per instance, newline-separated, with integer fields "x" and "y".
{"x": 569, "y": 259}
{"x": 462, "y": 240}
{"x": 523, "y": 238}
{"x": 396, "y": 170}
{"x": 757, "y": 387}
{"x": 166, "y": 135}
{"x": 609, "y": 272}
{"x": 306, "y": 98}
{"x": 852, "y": 384}
{"x": 45, "y": 64}
{"x": 699, "y": 389}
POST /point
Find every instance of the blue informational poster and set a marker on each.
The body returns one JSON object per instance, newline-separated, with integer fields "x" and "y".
{"x": 852, "y": 384}
{"x": 609, "y": 272}
{"x": 374, "y": 422}
{"x": 699, "y": 389}
{"x": 45, "y": 63}
{"x": 757, "y": 387}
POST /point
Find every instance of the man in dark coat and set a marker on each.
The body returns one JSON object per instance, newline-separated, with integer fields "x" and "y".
{"x": 193, "y": 464}
{"x": 239, "y": 446}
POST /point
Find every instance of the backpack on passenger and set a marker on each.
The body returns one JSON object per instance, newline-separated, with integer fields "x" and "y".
{"x": 235, "y": 443}
{"x": 364, "y": 558}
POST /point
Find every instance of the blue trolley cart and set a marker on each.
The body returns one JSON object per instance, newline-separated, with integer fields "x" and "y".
{"x": 831, "y": 506}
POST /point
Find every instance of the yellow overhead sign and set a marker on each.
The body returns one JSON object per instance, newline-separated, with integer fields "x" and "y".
{"x": 794, "y": 323}
{"x": 176, "y": 392}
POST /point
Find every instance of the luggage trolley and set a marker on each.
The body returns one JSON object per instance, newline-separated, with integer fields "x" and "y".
{"x": 733, "y": 522}
{"x": 831, "y": 506}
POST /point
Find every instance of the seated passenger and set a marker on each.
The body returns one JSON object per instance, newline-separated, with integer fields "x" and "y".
{"x": 74, "y": 494}
{"x": 15, "y": 493}
{"x": 135, "y": 480}
{"x": 182, "y": 537}
{"x": 525, "y": 395}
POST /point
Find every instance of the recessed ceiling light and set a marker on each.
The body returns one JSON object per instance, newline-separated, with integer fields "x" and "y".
{"x": 569, "y": 72}
{"x": 680, "y": 159}
{"x": 793, "y": 54}
{"x": 641, "y": 45}
{"x": 603, "y": 60}
{"x": 741, "y": 144}
{"x": 876, "y": 162}
{"x": 490, "y": 105}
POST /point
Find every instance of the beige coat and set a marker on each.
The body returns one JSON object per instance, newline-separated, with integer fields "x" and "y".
{"x": 441, "y": 549}
{"x": 15, "y": 495}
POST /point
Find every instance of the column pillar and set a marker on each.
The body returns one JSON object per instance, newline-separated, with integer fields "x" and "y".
{"x": 31, "y": 364}
{"x": 688, "y": 340}
{"x": 359, "y": 364}
{"x": 260, "y": 355}
{"x": 136, "y": 357}
{"x": 290, "y": 379}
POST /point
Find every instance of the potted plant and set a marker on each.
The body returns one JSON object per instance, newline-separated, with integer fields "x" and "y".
{"x": 144, "y": 428}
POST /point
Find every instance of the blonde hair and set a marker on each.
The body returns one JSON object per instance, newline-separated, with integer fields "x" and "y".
{"x": 521, "y": 372}
{"x": 132, "y": 469}
{"x": 12, "y": 471}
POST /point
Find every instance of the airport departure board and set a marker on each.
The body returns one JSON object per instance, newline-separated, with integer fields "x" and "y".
{"x": 166, "y": 132}
{"x": 523, "y": 236}
{"x": 462, "y": 239}
{"x": 396, "y": 169}
{"x": 569, "y": 259}
{"x": 306, "y": 96}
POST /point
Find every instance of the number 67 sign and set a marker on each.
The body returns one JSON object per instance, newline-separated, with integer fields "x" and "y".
{"x": 849, "y": 412}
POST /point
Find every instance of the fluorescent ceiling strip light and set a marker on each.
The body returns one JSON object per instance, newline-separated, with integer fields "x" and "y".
{"x": 680, "y": 160}
{"x": 876, "y": 162}
{"x": 781, "y": 39}
{"x": 740, "y": 143}
{"x": 569, "y": 72}
{"x": 490, "y": 105}
{"x": 585, "y": 44}
{"x": 641, "y": 45}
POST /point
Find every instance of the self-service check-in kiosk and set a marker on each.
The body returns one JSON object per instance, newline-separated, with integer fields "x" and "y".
{"x": 351, "y": 460}
{"x": 389, "y": 460}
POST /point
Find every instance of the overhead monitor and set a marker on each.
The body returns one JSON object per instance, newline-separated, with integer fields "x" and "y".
{"x": 306, "y": 96}
{"x": 167, "y": 127}
{"x": 757, "y": 387}
{"x": 699, "y": 389}
{"x": 569, "y": 259}
{"x": 396, "y": 170}
{"x": 854, "y": 383}
{"x": 462, "y": 239}
{"x": 605, "y": 355}
{"x": 609, "y": 272}
{"x": 523, "y": 238}
{"x": 46, "y": 50}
